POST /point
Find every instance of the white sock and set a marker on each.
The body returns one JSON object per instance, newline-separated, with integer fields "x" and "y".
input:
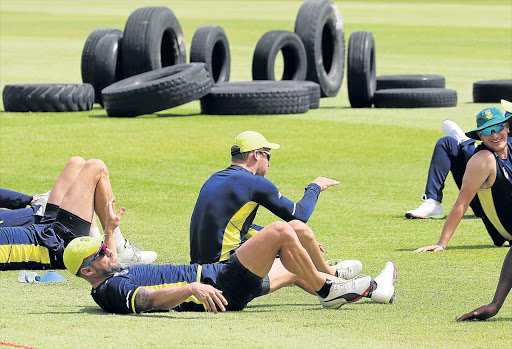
{"x": 94, "y": 231}
{"x": 119, "y": 239}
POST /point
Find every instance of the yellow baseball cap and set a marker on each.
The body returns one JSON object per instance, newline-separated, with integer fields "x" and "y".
{"x": 79, "y": 249}
{"x": 252, "y": 140}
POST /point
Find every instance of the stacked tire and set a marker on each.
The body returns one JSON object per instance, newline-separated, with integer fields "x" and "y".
{"x": 492, "y": 91}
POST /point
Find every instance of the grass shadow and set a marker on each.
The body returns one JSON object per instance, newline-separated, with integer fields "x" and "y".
{"x": 148, "y": 116}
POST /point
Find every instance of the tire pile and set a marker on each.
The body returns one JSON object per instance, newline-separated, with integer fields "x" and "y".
{"x": 143, "y": 69}
{"x": 405, "y": 91}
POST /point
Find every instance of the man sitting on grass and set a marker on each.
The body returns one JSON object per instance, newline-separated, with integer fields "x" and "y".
{"x": 210, "y": 287}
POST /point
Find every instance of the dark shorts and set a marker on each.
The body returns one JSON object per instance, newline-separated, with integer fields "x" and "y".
{"x": 238, "y": 284}
{"x": 40, "y": 246}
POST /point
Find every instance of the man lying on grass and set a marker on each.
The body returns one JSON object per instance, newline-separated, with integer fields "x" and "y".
{"x": 211, "y": 287}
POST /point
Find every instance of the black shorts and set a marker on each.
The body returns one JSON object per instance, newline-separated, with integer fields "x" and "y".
{"x": 69, "y": 226}
{"x": 238, "y": 284}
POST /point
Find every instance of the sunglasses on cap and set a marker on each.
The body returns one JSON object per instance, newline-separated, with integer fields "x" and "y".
{"x": 100, "y": 254}
{"x": 496, "y": 128}
{"x": 267, "y": 153}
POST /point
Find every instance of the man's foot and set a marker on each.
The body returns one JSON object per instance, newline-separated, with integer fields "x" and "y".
{"x": 430, "y": 208}
{"x": 40, "y": 200}
{"x": 384, "y": 290}
{"x": 132, "y": 255}
{"x": 347, "y": 269}
{"x": 345, "y": 291}
{"x": 453, "y": 130}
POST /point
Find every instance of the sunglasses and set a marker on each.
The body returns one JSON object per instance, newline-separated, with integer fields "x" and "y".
{"x": 496, "y": 128}
{"x": 100, "y": 254}
{"x": 267, "y": 153}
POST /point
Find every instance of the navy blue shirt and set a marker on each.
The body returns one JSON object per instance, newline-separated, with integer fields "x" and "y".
{"x": 497, "y": 201}
{"x": 117, "y": 294}
{"x": 225, "y": 209}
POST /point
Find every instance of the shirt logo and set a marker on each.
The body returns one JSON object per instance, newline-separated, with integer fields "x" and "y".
{"x": 279, "y": 195}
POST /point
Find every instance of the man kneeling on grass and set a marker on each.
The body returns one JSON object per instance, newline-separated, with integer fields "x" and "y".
{"x": 211, "y": 287}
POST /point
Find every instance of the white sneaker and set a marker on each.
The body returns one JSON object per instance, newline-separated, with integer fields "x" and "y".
{"x": 384, "y": 292}
{"x": 453, "y": 130}
{"x": 132, "y": 255}
{"x": 430, "y": 208}
{"x": 345, "y": 291}
{"x": 347, "y": 269}
{"x": 40, "y": 199}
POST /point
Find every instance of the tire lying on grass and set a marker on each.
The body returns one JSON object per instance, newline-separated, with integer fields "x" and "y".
{"x": 386, "y": 82}
{"x": 361, "y": 69}
{"x": 152, "y": 39}
{"x": 107, "y": 67}
{"x": 157, "y": 90}
{"x": 48, "y": 97}
{"x": 492, "y": 91}
{"x": 89, "y": 55}
{"x": 320, "y": 27}
{"x": 265, "y": 53}
{"x": 210, "y": 45}
{"x": 256, "y": 98}
{"x": 415, "y": 98}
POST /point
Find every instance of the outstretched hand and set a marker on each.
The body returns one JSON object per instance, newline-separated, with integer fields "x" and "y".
{"x": 325, "y": 182}
{"x": 434, "y": 248}
{"x": 112, "y": 219}
{"x": 210, "y": 296}
{"x": 482, "y": 313}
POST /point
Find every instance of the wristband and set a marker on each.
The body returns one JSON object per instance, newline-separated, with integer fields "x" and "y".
{"x": 441, "y": 246}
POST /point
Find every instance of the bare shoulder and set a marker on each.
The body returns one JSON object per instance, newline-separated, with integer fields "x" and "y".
{"x": 482, "y": 158}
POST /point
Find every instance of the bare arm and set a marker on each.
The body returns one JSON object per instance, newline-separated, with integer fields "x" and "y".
{"x": 504, "y": 286}
{"x": 169, "y": 297}
{"x": 112, "y": 220}
{"x": 477, "y": 174}
{"x": 325, "y": 182}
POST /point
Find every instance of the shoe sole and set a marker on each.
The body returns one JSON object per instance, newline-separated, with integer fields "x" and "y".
{"x": 336, "y": 306}
{"x": 411, "y": 216}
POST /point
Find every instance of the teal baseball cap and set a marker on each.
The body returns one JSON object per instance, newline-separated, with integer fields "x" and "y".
{"x": 486, "y": 118}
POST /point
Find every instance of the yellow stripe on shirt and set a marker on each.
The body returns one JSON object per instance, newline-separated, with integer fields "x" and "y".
{"x": 231, "y": 238}
{"x": 487, "y": 202}
{"x": 24, "y": 253}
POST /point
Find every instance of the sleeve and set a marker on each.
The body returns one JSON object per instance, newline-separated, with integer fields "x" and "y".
{"x": 117, "y": 296}
{"x": 265, "y": 193}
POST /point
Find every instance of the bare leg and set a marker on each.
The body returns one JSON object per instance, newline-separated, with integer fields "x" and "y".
{"x": 66, "y": 177}
{"x": 89, "y": 192}
{"x": 308, "y": 240}
{"x": 258, "y": 254}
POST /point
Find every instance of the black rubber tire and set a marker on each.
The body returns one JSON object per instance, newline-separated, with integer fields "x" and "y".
{"x": 361, "y": 69}
{"x": 492, "y": 91}
{"x": 386, "y": 82}
{"x": 89, "y": 55}
{"x": 314, "y": 93}
{"x": 415, "y": 98}
{"x": 107, "y": 63}
{"x": 256, "y": 98}
{"x": 157, "y": 90}
{"x": 210, "y": 45}
{"x": 320, "y": 26}
{"x": 48, "y": 97}
{"x": 152, "y": 39}
{"x": 293, "y": 51}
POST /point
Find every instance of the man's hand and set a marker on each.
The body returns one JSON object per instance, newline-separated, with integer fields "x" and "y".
{"x": 325, "y": 182}
{"x": 482, "y": 313}
{"x": 112, "y": 219}
{"x": 210, "y": 296}
{"x": 435, "y": 248}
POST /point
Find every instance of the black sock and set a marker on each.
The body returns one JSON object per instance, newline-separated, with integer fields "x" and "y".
{"x": 324, "y": 291}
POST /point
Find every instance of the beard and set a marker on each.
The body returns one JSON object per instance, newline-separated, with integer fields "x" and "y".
{"x": 109, "y": 272}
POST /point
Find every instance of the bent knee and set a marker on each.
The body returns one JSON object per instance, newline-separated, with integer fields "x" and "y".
{"x": 76, "y": 161}
{"x": 96, "y": 165}
{"x": 283, "y": 229}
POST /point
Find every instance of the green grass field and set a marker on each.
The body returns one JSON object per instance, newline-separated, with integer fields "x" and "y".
{"x": 159, "y": 162}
